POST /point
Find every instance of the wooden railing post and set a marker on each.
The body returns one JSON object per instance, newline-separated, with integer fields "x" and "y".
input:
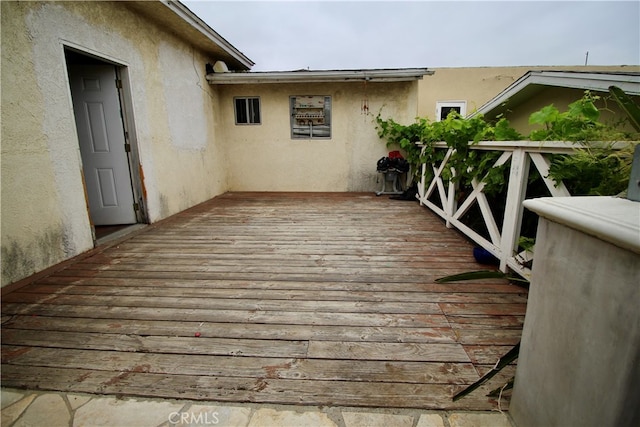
{"x": 451, "y": 205}
{"x": 423, "y": 182}
{"x": 516, "y": 191}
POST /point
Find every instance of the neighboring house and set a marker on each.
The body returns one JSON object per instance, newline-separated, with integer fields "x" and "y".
{"x": 536, "y": 89}
{"x": 494, "y": 90}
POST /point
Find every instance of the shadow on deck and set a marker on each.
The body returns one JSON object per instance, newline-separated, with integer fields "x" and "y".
{"x": 314, "y": 299}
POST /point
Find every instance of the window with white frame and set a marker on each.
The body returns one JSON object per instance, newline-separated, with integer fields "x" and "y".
{"x": 443, "y": 108}
{"x": 310, "y": 117}
{"x": 247, "y": 110}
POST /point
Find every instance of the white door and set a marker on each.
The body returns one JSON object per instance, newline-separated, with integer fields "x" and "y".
{"x": 96, "y": 105}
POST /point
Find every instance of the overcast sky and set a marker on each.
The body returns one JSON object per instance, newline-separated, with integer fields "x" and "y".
{"x": 326, "y": 35}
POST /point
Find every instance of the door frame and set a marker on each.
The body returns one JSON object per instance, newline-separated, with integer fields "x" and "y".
{"x": 129, "y": 129}
{"x": 135, "y": 166}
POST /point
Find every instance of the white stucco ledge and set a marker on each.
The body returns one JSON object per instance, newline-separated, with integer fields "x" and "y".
{"x": 611, "y": 219}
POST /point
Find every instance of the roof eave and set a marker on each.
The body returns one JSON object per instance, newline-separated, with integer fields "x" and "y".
{"x": 323, "y": 76}
{"x": 599, "y": 82}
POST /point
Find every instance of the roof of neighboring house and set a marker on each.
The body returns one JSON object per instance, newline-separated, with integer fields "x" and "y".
{"x": 178, "y": 19}
{"x": 535, "y": 81}
{"x": 320, "y": 76}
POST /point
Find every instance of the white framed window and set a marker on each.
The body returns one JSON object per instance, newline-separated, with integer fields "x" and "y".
{"x": 247, "y": 110}
{"x": 443, "y": 108}
{"x": 310, "y": 117}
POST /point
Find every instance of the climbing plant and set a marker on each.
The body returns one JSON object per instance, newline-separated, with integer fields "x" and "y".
{"x": 596, "y": 167}
{"x": 599, "y": 166}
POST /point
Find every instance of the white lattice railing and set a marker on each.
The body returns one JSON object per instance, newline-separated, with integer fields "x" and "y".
{"x": 503, "y": 240}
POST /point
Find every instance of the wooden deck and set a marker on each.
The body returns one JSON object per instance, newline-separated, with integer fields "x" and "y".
{"x": 314, "y": 299}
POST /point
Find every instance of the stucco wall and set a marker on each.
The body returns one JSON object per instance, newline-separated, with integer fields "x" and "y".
{"x": 265, "y": 158}
{"x": 474, "y": 85}
{"x": 44, "y": 212}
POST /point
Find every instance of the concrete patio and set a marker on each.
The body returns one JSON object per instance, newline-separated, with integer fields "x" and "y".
{"x": 23, "y": 408}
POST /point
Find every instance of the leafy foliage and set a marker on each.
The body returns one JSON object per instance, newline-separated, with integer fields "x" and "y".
{"x": 594, "y": 169}
{"x": 578, "y": 123}
{"x": 627, "y": 105}
{"x": 465, "y": 164}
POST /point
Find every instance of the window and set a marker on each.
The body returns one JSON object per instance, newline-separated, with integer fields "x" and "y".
{"x": 310, "y": 117}
{"x": 247, "y": 111}
{"x": 443, "y": 108}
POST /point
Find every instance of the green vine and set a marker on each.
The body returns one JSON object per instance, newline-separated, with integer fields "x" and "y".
{"x": 594, "y": 168}
{"x": 456, "y": 132}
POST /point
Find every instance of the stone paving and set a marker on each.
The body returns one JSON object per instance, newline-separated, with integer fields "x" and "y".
{"x": 22, "y": 408}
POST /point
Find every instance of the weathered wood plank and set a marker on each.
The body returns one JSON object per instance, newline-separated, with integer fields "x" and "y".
{"x": 298, "y": 276}
{"x": 139, "y": 253}
{"x": 434, "y": 250}
{"x": 387, "y": 351}
{"x": 255, "y": 367}
{"x": 330, "y": 285}
{"x": 155, "y": 344}
{"x": 290, "y": 260}
{"x": 483, "y": 309}
{"x": 497, "y": 336}
{"x": 136, "y": 270}
{"x": 228, "y": 304}
{"x": 486, "y": 322}
{"x": 231, "y": 316}
{"x": 309, "y": 294}
{"x": 226, "y": 389}
{"x": 262, "y": 331}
